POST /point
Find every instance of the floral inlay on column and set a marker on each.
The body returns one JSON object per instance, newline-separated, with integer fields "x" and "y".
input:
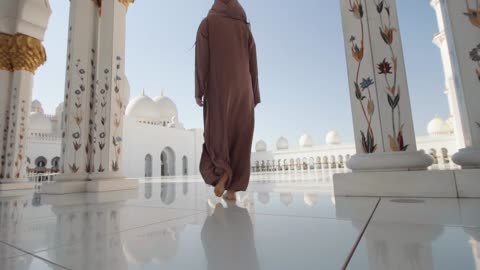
{"x": 473, "y": 15}
{"x": 365, "y": 100}
{"x": 387, "y": 33}
{"x": 17, "y": 161}
{"x": 78, "y": 116}
{"x": 111, "y": 116}
{"x": 101, "y": 127}
{"x": 90, "y": 148}
{"x": 117, "y": 118}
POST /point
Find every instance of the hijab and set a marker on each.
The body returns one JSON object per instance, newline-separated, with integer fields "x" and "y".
{"x": 229, "y": 8}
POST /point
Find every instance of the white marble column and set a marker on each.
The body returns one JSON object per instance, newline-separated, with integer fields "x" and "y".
{"x": 462, "y": 28}
{"x": 22, "y": 55}
{"x": 383, "y": 124}
{"x": 77, "y": 142}
{"x": 5, "y": 81}
{"x": 110, "y": 100}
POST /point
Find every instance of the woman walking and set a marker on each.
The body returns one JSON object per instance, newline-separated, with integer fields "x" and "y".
{"x": 227, "y": 88}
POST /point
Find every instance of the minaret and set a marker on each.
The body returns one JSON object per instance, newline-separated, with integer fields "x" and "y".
{"x": 450, "y": 90}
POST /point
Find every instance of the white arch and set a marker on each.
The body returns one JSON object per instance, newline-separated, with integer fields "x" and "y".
{"x": 148, "y": 165}
{"x": 185, "y": 165}
{"x": 167, "y": 161}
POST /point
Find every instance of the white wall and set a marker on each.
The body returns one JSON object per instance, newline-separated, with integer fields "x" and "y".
{"x": 142, "y": 139}
{"x": 48, "y": 147}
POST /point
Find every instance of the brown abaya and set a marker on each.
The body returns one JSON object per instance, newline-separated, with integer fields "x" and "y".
{"x": 227, "y": 79}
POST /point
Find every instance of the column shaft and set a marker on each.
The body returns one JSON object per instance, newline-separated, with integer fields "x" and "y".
{"x": 5, "y": 86}
{"x": 79, "y": 86}
{"x": 379, "y": 93}
{"x": 110, "y": 98}
{"x": 462, "y": 27}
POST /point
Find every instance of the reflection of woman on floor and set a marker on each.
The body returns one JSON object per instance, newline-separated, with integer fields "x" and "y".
{"x": 228, "y": 239}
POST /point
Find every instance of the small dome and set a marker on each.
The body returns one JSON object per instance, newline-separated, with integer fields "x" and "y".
{"x": 167, "y": 108}
{"x": 306, "y": 141}
{"x": 282, "y": 143}
{"x": 310, "y": 199}
{"x": 143, "y": 108}
{"x": 40, "y": 123}
{"x": 333, "y": 138}
{"x": 36, "y": 106}
{"x": 438, "y": 127}
{"x": 261, "y": 146}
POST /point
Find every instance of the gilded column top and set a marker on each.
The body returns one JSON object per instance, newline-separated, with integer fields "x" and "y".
{"x": 26, "y": 53}
{"x": 5, "y": 44}
{"x": 126, "y": 2}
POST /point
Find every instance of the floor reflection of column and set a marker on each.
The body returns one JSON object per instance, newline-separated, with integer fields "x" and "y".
{"x": 475, "y": 244}
{"x": 88, "y": 222}
{"x": 11, "y": 221}
{"x": 401, "y": 246}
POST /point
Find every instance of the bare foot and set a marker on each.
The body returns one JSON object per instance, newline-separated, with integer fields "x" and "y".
{"x": 230, "y": 196}
{"x": 220, "y": 186}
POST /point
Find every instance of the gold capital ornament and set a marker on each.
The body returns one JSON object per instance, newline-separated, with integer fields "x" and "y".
{"x": 126, "y": 3}
{"x": 27, "y": 53}
{"x": 21, "y": 52}
{"x": 5, "y": 44}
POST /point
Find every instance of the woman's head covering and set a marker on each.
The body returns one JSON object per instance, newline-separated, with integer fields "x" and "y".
{"x": 229, "y": 8}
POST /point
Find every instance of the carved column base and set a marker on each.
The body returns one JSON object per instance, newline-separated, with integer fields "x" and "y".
{"x": 64, "y": 187}
{"x": 390, "y": 161}
{"x": 16, "y": 184}
{"x": 468, "y": 158}
{"x": 66, "y": 183}
{"x": 103, "y": 182}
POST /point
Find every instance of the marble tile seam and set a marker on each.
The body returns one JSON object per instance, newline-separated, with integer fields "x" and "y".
{"x": 360, "y": 236}
{"x": 27, "y": 253}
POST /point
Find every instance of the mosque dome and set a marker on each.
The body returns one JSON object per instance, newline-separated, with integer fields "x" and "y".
{"x": 282, "y": 143}
{"x": 167, "y": 108}
{"x": 143, "y": 108}
{"x": 333, "y": 138}
{"x": 40, "y": 123}
{"x": 310, "y": 199}
{"x": 438, "y": 127}
{"x": 306, "y": 141}
{"x": 261, "y": 146}
{"x": 36, "y": 106}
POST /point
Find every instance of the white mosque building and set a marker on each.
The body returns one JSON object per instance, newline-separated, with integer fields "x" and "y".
{"x": 156, "y": 143}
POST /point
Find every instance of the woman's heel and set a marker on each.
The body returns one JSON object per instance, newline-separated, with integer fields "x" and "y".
{"x": 220, "y": 186}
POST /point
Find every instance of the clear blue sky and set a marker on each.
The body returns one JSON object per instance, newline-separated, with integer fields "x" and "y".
{"x": 302, "y": 66}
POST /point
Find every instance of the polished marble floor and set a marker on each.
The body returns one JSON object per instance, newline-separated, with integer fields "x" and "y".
{"x": 284, "y": 221}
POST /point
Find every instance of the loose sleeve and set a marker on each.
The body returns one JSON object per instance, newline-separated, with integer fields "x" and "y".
{"x": 202, "y": 58}
{"x": 254, "y": 69}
